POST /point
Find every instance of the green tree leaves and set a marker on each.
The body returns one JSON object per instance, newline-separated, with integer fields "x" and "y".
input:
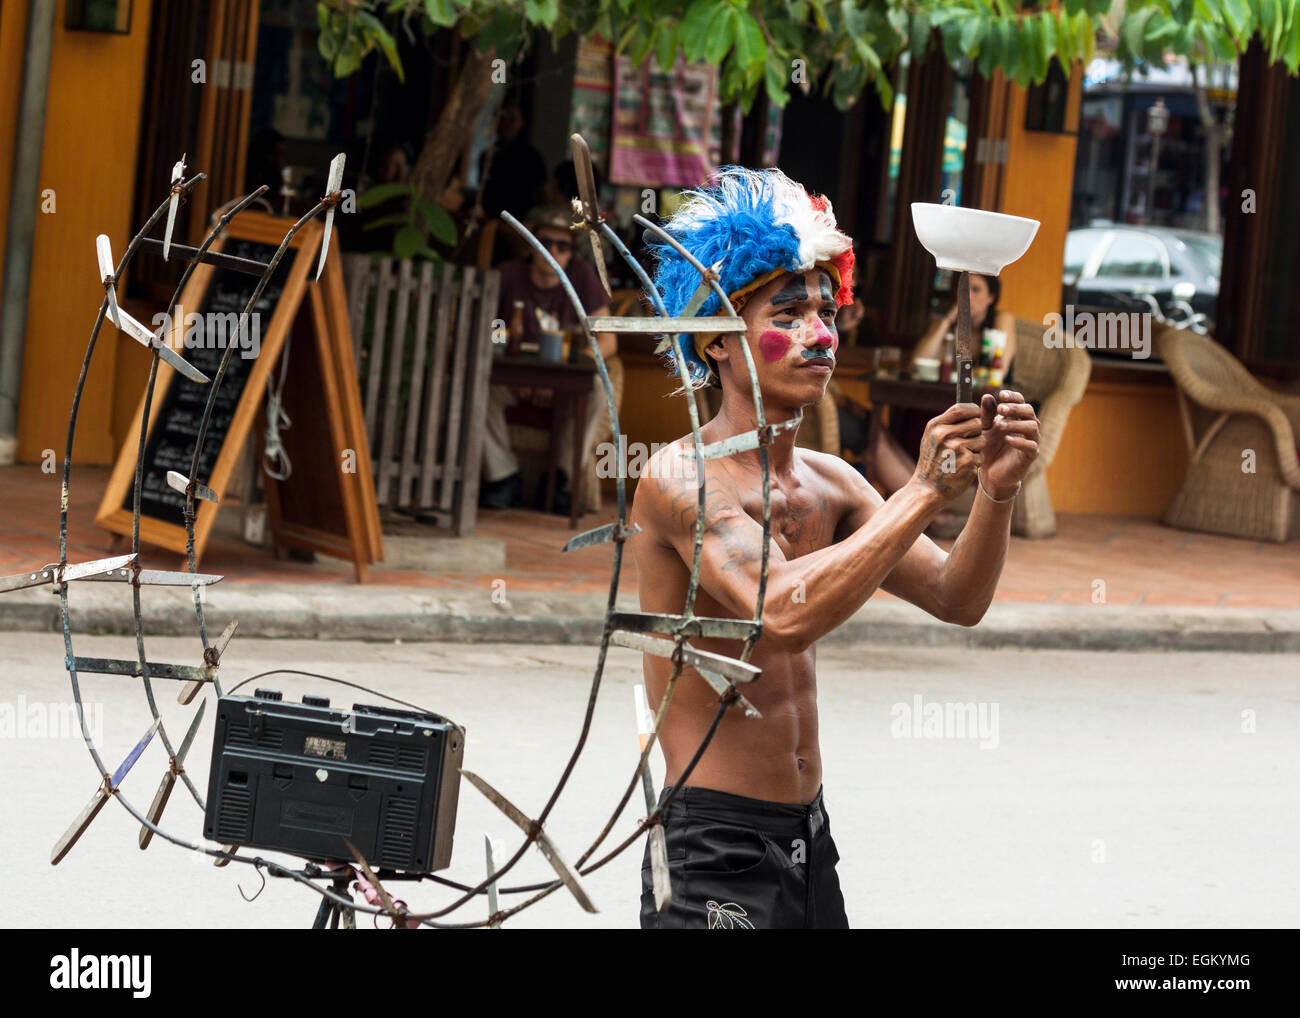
{"x": 844, "y": 44}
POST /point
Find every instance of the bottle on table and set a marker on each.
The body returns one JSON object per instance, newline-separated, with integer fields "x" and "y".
{"x": 948, "y": 361}
{"x": 997, "y": 358}
{"x": 980, "y": 374}
{"x": 515, "y": 330}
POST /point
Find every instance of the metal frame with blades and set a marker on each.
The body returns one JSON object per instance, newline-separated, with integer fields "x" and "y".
{"x": 667, "y": 635}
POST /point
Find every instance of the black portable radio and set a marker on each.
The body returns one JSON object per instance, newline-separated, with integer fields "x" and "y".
{"x": 307, "y": 778}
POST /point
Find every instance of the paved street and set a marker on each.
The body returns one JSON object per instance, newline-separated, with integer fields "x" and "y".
{"x": 1116, "y": 789}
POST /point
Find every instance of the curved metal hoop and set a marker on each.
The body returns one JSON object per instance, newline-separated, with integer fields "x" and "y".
{"x": 620, "y": 628}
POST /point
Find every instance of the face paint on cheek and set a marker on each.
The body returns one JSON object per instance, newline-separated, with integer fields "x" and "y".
{"x": 773, "y": 345}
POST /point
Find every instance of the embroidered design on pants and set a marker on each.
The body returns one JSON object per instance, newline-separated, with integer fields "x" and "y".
{"x": 728, "y": 917}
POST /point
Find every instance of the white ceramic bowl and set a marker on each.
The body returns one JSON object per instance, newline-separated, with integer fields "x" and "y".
{"x": 972, "y": 240}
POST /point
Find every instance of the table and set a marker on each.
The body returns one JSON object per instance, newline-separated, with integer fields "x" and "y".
{"x": 571, "y": 385}
{"x": 935, "y": 397}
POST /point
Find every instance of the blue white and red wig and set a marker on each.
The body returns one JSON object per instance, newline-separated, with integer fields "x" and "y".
{"x": 760, "y": 224}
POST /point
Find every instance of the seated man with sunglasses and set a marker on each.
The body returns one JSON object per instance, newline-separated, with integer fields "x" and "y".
{"x": 532, "y": 281}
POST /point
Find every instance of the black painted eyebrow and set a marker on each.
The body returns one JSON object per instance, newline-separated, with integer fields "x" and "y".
{"x": 826, "y": 288}
{"x": 793, "y": 292}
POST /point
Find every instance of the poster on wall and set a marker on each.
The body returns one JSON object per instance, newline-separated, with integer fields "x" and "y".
{"x": 662, "y": 127}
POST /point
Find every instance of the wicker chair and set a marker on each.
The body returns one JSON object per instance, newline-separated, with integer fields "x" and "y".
{"x": 1056, "y": 378}
{"x": 1227, "y": 414}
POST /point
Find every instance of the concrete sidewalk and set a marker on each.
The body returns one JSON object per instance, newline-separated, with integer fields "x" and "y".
{"x": 389, "y": 613}
{"x": 1102, "y": 583}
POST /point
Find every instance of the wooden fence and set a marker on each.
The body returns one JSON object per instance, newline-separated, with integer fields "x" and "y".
{"x": 423, "y": 343}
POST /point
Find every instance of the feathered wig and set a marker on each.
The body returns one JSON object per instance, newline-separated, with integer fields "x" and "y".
{"x": 760, "y": 224}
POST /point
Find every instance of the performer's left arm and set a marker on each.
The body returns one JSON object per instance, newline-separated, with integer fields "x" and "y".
{"x": 958, "y": 586}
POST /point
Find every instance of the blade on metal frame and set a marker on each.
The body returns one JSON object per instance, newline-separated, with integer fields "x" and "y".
{"x": 174, "y": 769}
{"x": 211, "y": 661}
{"x": 702, "y": 291}
{"x": 91, "y": 810}
{"x": 158, "y": 577}
{"x": 663, "y": 887}
{"x": 601, "y": 535}
{"x": 965, "y": 342}
{"x": 50, "y": 573}
{"x": 156, "y": 807}
{"x": 544, "y": 843}
{"x": 654, "y": 325}
{"x": 331, "y": 188}
{"x": 178, "y": 177}
{"x": 78, "y": 827}
{"x": 494, "y": 924}
{"x": 718, "y": 671}
{"x": 748, "y": 440}
{"x": 153, "y": 341}
{"x": 179, "y": 482}
{"x": 588, "y": 205}
{"x": 104, "y": 252}
{"x": 730, "y": 668}
{"x": 695, "y": 625}
{"x": 134, "y": 755}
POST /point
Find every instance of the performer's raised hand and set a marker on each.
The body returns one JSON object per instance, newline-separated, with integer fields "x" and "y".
{"x": 951, "y": 450}
{"x": 1010, "y": 429}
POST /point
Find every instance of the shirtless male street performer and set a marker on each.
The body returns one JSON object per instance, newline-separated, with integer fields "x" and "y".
{"x": 749, "y": 842}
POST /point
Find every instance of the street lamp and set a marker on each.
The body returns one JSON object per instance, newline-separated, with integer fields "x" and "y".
{"x": 1157, "y": 124}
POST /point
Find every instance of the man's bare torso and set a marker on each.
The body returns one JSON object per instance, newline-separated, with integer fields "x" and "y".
{"x": 776, "y": 758}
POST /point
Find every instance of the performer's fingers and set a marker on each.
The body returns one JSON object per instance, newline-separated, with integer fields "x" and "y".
{"x": 1010, "y": 396}
{"x": 1021, "y": 410}
{"x": 970, "y": 427}
{"x": 988, "y": 409}
{"x": 1010, "y": 427}
{"x": 958, "y": 412}
{"x": 1021, "y": 442}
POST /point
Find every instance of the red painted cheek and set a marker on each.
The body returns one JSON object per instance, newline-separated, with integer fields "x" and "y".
{"x": 773, "y": 345}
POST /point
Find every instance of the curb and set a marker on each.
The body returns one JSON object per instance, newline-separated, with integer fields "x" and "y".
{"x": 342, "y": 612}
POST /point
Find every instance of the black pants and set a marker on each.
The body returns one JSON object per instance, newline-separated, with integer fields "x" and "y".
{"x": 739, "y": 863}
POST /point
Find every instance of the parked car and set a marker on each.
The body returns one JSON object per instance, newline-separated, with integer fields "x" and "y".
{"x": 1116, "y": 267}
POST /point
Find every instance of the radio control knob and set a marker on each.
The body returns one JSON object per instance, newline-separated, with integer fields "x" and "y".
{"x": 268, "y": 694}
{"x": 315, "y": 701}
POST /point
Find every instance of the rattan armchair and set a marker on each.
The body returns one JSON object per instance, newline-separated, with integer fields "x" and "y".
{"x": 1056, "y": 378}
{"x": 1243, "y": 472}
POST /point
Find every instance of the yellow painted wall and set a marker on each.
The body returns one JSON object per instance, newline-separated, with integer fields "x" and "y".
{"x": 13, "y": 40}
{"x": 92, "y": 124}
{"x": 1036, "y": 182}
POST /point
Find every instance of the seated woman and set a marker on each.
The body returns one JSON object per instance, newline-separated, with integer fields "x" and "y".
{"x": 894, "y": 465}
